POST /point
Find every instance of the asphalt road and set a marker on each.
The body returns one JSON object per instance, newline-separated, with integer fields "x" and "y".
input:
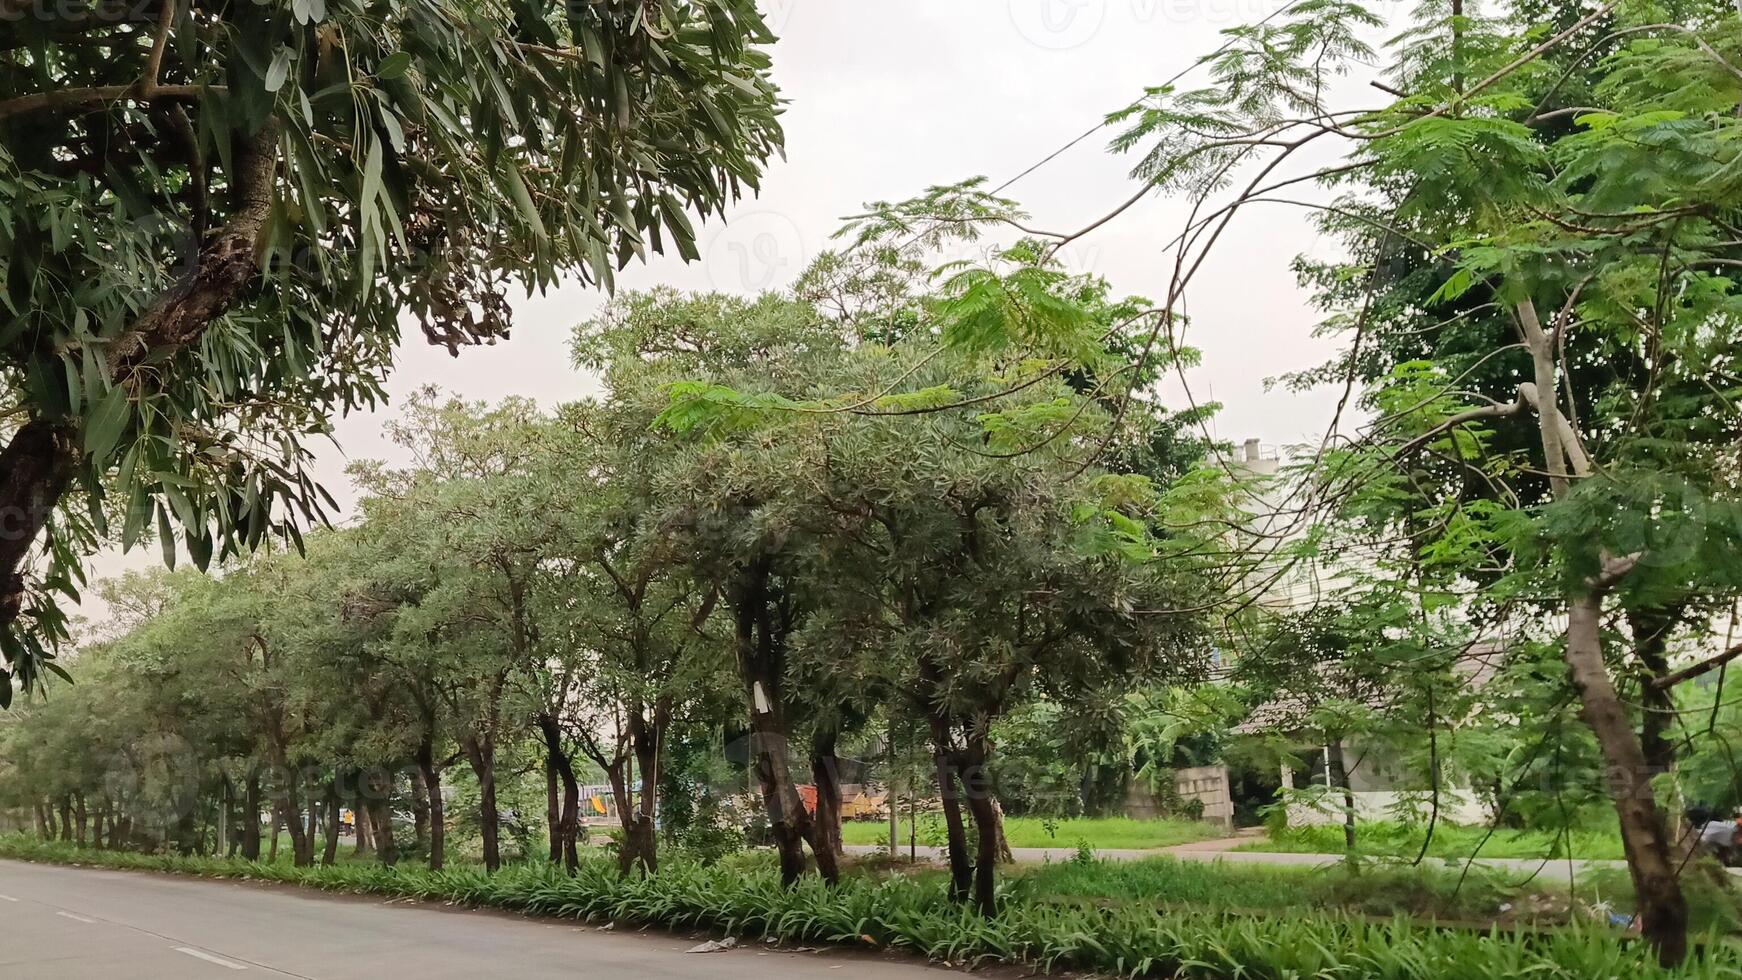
{"x": 79, "y": 923}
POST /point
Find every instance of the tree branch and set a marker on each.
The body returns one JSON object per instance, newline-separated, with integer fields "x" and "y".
{"x": 148, "y": 86}
{"x": 1473, "y": 415}
{"x": 226, "y": 267}
{"x": 67, "y": 98}
{"x": 1695, "y": 670}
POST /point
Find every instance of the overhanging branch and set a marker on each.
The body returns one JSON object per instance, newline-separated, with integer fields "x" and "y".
{"x": 1695, "y": 670}
{"x": 72, "y": 98}
{"x": 1462, "y": 418}
{"x": 226, "y": 267}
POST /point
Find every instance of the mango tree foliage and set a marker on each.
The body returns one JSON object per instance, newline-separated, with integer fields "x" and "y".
{"x": 213, "y": 217}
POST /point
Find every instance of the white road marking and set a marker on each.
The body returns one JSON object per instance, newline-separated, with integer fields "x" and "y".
{"x": 7, "y": 898}
{"x": 77, "y": 918}
{"x": 209, "y": 958}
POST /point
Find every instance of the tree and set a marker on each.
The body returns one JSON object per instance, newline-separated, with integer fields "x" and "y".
{"x": 709, "y": 501}
{"x": 1541, "y": 301}
{"x": 860, "y": 549}
{"x": 213, "y": 220}
{"x": 636, "y": 649}
{"x": 988, "y": 579}
{"x": 465, "y": 524}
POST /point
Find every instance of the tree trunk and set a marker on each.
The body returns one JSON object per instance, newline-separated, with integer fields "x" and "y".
{"x": 187, "y": 838}
{"x": 290, "y": 814}
{"x": 419, "y": 811}
{"x": 770, "y": 756}
{"x": 628, "y": 845}
{"x": 43, "y": 829}
{"x": 640, "y": 847}
{"x": 277, "y": 823}
{"x": 35, "y": 468}
{"x": 1005, "y": 855}
{"x": 986, "y": 856}
{"x": 1663, "y": 910}
{"x": 314, "y": 822}
{"x": 760, "y": 644}
{"x": 330, "y": 851}
{"x": 97, "y": 824}
{"x": 381, "y": 822}
{"x": 826, "y": 774}
{"x": 644, "y": 741}
{"x": 1338, "y": 774}
{"x": 378, "y": 799}
{"x": 66, "y": 818}
{"x": 364, "y": 842}
{"x": 250, "y": 824}
{"x": 481, "y": 753}
{"x": 224, "y": 834}
{"x": 943, "y": 755}
{"x": 977, "y": 787}
{"x": 432, "y": 783}
{"x": 80, "y": 818}
{"x": 553, "y": 811}
{"x": 566, "y": 814}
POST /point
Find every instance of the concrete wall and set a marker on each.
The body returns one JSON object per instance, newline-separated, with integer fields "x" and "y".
{"x": 1206, "y": 783}
{"x": 1456, "y": 806}
{"x": 1377, "y": 791}
{"x": 1209, "y": 784}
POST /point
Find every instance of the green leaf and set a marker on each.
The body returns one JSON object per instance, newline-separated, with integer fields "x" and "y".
{"x": 522, "y": 197}
{"x": 105, "y": 424}
{"x": 393, "y": 66}
{"x": 279, "y": 70}
{"x": 166, "y": 536}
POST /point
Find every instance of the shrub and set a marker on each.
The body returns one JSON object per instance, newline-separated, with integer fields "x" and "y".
{"x": 914, "y": 914}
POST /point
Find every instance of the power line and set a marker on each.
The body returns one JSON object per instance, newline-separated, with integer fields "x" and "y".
{"x": 1183, "y": 72}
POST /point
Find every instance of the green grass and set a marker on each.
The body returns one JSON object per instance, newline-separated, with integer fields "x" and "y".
{"x": 914, "y": 914}
{"x": 1097, "y": 832}
{"x": 1391, "y": 838}
{"x": 1369, "y": 889}
{"x": 1483, "y": 897}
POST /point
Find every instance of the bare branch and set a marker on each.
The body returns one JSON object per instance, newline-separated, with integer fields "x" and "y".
{"x": 1695, "y": 670}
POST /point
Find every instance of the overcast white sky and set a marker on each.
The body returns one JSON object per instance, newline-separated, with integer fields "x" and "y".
{"x": 890, "y": 97}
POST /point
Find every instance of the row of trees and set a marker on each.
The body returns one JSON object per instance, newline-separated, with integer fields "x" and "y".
{"x": 947, "y": 495}
{"x": 583, "y": 587}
